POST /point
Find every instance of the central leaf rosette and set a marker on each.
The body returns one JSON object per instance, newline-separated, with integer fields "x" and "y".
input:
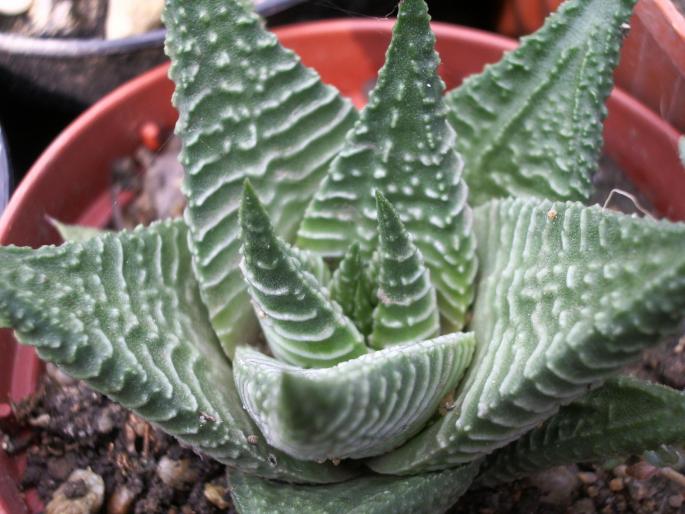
{"x": 359, "y": 403}
{"x": 392, "y": 220}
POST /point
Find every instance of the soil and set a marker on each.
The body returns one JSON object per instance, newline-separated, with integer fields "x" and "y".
{"x": 65, "y": 426}
{"x": 144, "y": 470}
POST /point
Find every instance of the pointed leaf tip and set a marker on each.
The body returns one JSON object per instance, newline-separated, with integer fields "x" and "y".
{"x": 231, "y": 74}
{"x": 404, "y": 147}
{"x": 531, "y": 124}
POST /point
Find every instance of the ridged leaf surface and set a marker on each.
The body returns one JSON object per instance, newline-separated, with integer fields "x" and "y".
{"x": 352, "y": 288}
{"x": 402, "y": 146}
{"x": 567, "y": 296}
{"x": 531, "y": 125}
{"x": 247, "y": 108}
{"x": 623, "y": 417}
{"x": 431, "y": 493}
{"x": 358, "y": 408}
{"x": 302, "y": 325}
{"x": 407, "y": 310}
{"x": 123, "y": 312}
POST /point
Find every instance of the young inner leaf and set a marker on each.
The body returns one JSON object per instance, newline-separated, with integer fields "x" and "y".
{"x": 301, "y": 324}
{"x": 407, "y": 309}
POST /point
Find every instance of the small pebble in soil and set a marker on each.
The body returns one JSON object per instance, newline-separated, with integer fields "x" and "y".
{"x": 83, "y": 493}
{"x": 177, "y": 474}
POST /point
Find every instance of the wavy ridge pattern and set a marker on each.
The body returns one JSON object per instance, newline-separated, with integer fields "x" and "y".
{"x": 403, "y": 146}
{"x": 531, "y": 125}
{"x": 407, "y": 309}
{"x": 353, "y": 288}
{"x": 623, "y": 417}
{"x": 431, "y": 493}
{"x": 356, "y": 409}
{"x": 247, "y": 108}
{"x": 301, "y": 324}
{"x": 568, "y": 295}
{"x": 123, "y": 312}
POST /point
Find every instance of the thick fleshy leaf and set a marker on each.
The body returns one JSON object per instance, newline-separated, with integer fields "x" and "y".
{"x": 123, "y": 312}
{"x": 301, "y": 324}
{"x": 531, "y": 125}
{"x": 567, "y": 296}
{"x": 403, "y": 146}
{"x": 407, "y": 309}
{"x": 247, "y": 108}
{"x": 623, "y": 417}
{"x": 352, "y": 289}
{"x": 431, "y": 493}
{"x": 74, "y": 233}
{"x": 314, "y": 264}
{"x": 356, "y": 409}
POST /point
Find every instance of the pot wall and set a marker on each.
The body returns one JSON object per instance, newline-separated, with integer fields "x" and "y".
{"x": 70, "y": 181}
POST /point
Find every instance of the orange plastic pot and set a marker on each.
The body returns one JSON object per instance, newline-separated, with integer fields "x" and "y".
{"x": 70, "y": 181}
{"x": 652, "y": 67}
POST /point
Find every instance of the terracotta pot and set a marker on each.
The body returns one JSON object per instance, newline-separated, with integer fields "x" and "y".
{"x": 520, "y": 17}
{"x": 652, "y": 67}
{"x": 69, "y": 182}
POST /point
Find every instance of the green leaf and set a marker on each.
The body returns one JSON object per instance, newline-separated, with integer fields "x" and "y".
{"x": 403, "y": 147}
{"x": 300, "y": 323}
{"x": 623, "y": 417}
{"x": 407, "y": 309}
{"x": 314, "y": 264}
{"x": 358, "y": 408}
{"x": 352, "y": 289}
{"x": 247, "y": 108}
{"x": 567, "y": 296}
{"x": 74, "y": 233}
{"x": 123, "y": 312}
{"x": 431, "y": 493}
{"x": 531, "y": 125}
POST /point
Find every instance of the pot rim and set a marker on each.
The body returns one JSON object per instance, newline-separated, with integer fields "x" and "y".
{"x": 80, "y": 47}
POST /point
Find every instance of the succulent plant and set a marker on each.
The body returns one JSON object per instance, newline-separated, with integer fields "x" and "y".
{"x": 437, "y": 304}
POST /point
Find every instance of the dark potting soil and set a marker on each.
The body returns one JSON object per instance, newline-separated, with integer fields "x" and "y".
{"x": 66, "y": 426}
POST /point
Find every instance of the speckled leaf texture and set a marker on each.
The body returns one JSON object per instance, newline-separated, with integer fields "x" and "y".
{"x": 403, "y": 146}
{"x": 247, "y": 108}
{"x": 302, "y": 325}
{"x": 352, "y": 287}
{"x": 531, "y": 125}
{"x": 363, "y": 407}
{"x": 431, "y": 493}
{"x": 623, "y": 417}
{"x": 123, "y": 312}
{"x": 567, "y": 296}
{"x": 407, "y": 309}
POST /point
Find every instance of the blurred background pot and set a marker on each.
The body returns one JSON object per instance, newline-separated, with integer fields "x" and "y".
{"x": 70, "y": 181}
{"x": 653, "y": 58}
{"x": 5, "y": 173}
{"x": 46, "y": 82}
